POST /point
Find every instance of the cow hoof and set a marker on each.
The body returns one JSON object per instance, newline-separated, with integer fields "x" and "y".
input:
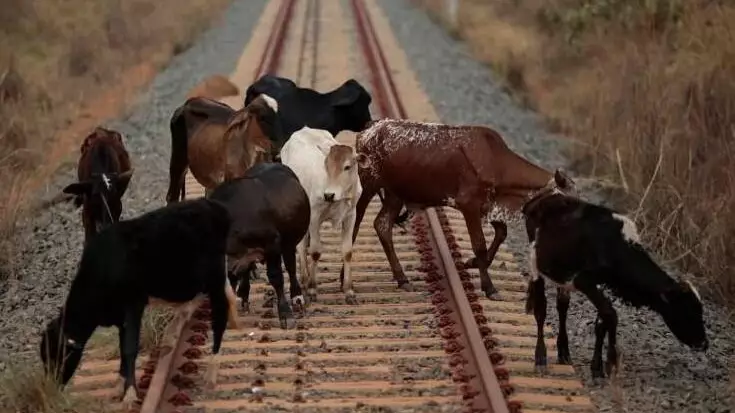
{"x": 564, "y": 359}
{"x": 493, "y": 294}
{"x": 351, "y": 298}
{"x": 406, "y": 287}
{"x": 298, "y": 304}
{"x": 268, "y": 303}
{"x": 541, "y": 369}
{"x": 129, "y": 399}
{"x": 470, "y": 263}
{"x": 245, "y": 307}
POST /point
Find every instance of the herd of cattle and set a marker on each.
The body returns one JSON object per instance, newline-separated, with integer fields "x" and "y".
{"x": 273, "y": 172}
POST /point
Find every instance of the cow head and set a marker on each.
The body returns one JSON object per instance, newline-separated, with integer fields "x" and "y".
{"x": 342, "y": 180}
{"x": 682, "y": 313}
{"x": 102, "y": 193}
{"x": 273, "y": 86}
{"x": 253, "y": 135}
{"x": 352, "y": 105}
{"x": 60, "y": 354}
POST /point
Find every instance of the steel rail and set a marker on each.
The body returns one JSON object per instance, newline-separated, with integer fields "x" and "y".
{"x": 155, "y": 385}
{"x": 491, "y": 399}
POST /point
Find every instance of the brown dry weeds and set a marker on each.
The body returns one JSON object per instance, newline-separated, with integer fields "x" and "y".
{"x": 646, "y": 90}
{"x": 66, "y": 66}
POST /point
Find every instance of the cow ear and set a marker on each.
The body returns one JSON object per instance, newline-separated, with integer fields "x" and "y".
{"x": 363, "y": 161}
{"x": 78, "y": 188}
{"x": 562, "y": 180}
{"x": 347, "y": 94}
{"x": 124, "y": 178}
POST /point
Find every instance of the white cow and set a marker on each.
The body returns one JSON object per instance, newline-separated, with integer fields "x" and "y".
{"x": 328, "y": 172}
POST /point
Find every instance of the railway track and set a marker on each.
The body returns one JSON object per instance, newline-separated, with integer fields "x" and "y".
{"x": 440, "y": 348}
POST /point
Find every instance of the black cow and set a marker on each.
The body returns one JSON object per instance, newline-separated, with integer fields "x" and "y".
{"x": 174, "y": 254}
{"x": 344, "y": 108}
{"x": 270, "y": 211}
{"x": 580, "y": 246}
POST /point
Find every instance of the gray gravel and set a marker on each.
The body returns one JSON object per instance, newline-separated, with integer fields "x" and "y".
{"x": 54, "y": 238}
{"x": 659, "y": 373}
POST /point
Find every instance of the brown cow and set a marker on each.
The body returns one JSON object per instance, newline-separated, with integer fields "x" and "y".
{"x": 103, "y": 174}
{"x": 469, "y": 168}
{"x": 204, "y": 134}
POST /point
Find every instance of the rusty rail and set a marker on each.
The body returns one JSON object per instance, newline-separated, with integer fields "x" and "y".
{"x": 155, "y": 393}
{"x": 490, "y": 397}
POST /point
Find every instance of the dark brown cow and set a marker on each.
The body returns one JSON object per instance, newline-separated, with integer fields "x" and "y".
{"x": 209, "y": 137}
{"x": 469, "y": 168}
{"x": 103, "y": 174}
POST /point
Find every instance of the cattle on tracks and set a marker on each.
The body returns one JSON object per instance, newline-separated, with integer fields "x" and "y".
{"x": 211, "y": 138}
{"x": 103, "y": 175}
{"x": 270, "y": 212}
{"x": 580, "y": 246}
{"x": 345, "y": 108}
{"x": 174, "y": 254}
{"x": 470, "y": 168}
{"x": 328, "y": 172}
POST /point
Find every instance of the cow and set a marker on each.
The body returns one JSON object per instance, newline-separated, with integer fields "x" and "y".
{"x": 344, "y": 108}
{"x": 328, "y": 172}
{"x": 580, "y": 246}
{"x": 470, "y": 168}
{"x": 213, "y": 140}
{"x": 103, "y": 174}
{"x": 174, "y": 254}
{"x": 270, "y": 212}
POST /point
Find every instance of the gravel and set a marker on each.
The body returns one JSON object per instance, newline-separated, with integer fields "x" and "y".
{"x": 54, "y": 238}
{"x": 659, "y": 374}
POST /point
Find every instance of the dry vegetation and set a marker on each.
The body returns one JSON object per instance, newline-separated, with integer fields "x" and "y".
{"x": 646, "y": 90}
{"x": 66, "y": 65}
{"x": 26, "y": 389}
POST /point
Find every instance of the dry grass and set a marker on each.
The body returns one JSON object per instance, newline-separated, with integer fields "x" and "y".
{"x": 156, "y": 320}
{"x": 646, "y": 90}
{"x": 27, "y": 389}
{"x": 58, "y": 58}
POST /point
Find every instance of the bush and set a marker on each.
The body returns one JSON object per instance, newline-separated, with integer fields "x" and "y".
{"x": 646, "y": 90}
{"x": 55, "y": 56}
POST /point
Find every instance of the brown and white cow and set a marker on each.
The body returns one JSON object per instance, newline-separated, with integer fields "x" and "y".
{"x": 469, "y": 168}
{"x": 328, "y": 172}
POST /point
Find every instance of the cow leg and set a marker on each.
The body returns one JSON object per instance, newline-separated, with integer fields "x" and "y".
{"x": 177, "y": 177}
{"x": 500, "y": 230}
{"x": 275, "y": 277}
{"x": 129, "y": 346}
{"x": 473, "y": 219}
{"x": 218, "y": 300}
{"x": 289, "y": 261}
{"x": 362, "y": 203}
{"x": 348, "y": 226}
{"x": 562, "y": 341}
{"x": 315, "y": 252}
{"x": 244, "y": 292}
{"x": 607, "y": 321}
{"x": 384, "y": 227}
{"x": 537, "y": 302}
{"x": 231, "y": 303}
{"x": 303, "y": 262}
